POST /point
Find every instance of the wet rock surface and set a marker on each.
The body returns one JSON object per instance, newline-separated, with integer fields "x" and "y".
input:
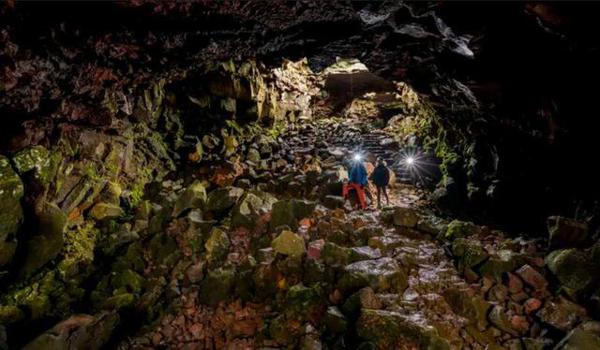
{"x": 157, "y": 193}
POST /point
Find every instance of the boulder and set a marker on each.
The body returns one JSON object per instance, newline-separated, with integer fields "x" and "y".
{"x": 253, "y": 155}
{"x": 335, "y": 321}
{"x": 250, "y": 207}
{"x": 46, "y": 245}
{"x": 573, "y": 268}
{"x": 382, "y": 275}
{"x": 501, "y": 262}
{"x": 388, "y": 328}
{"x": 585, "y": 336}
{"x": 405, "y": 217}
{"x": 333, "y": 202}
{"x": 499, "y": 319}
{"x": 191, "y": 198}
{"x": 103, "y": 211}
{"x": 469, "y": 253}
{"x": 217, "y": 286}
{"x": 457, "y": 229}
{"x": 289, "y": 243}
{"x": 562, "y": 314}
{"x": 472, "y": 307}
{"x": 77, "y": 332}
{"x": 566, "y": 233}
{"x": 532, "y": 277}
{"x": 289, "y": 212}
{"x": 365, "y": 298}
{"x": 11, "y": 213}
{"x": 223, "y": 199}
{"x": 217, "y": 245}
{"x": 36, "y": 158}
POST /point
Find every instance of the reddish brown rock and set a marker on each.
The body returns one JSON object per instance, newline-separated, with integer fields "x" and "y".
{"x": 532, "y": 277}
{"x": 531, "y": 305}
{"x": 519, "y": 323}
{"x": 515, "y": 284}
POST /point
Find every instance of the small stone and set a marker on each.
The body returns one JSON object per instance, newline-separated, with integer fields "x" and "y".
{"x": 519, "y": 323}
{"x": 315, "y": 248}
{"x": 532, "y": 305}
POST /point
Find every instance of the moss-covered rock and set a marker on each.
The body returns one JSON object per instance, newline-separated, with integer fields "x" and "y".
{"x": 289, "y": 212}
{"x": 472, "y": 307}
{"x": 565, "y": 233}
{"x": 405, "y": 217}
{"x": 47, "y": 244}
{"x": 192, "y": 197}
{"x": 11, "y": 213}
{"x": 457, "y": 228}
{"x": 217, "y": 245}
{"x": 335, "y": 321}
{"x": 289, "y": 243}
{"x": 217, "y": 286}
{"x": 77, "y": 332}
{"x": 223, "y": 199}
{"x": 250, "y": 207}
{"x": 103, "y": 211}
{"x": 585, "y": 336}
{"x": 501, "y": 262}
{"x": 469, "y": 253}
{"x": 387, "y": 328}
{"x": 382, "y": 275}
{"x": 573, "y": 268}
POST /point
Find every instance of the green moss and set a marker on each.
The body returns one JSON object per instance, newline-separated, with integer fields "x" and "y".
{"x": 78, "y": 251}
{"x": 457, "y": 228}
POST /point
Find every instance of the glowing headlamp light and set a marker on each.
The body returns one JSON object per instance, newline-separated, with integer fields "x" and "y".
{"x": 410, "y": 160}
{"x": 357, "y": 157}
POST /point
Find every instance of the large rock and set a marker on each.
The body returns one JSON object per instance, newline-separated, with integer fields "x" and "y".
{"x": 250, "y": 207}
{"x": 288, "y": 213}
{"x": 289, "y": 243}
{"x": 405, "y": 217}
{"x": 34, "y": 158}
{"x": 46, "y": 245}
{"x": 217, "y": 245}
{"x": 191, "y": 198}
{"x": 565, "y": 233}
{"x": 457, "y": 229}
{"x": 102, "y": 211}
{"x": 472, "y": 307}
{"x": 573, "y": 268}
{"x": 217, "y": 286}
{"x": 11, "y": 213}
{"x": 562, "y": 314}
{"x": 223, "y": 199}
{"x": 469, "y": 253}
{"x": 387, "y": 329}
{"x": 585, "y": 336}
{"x": 382, "y": 275}
{"x": 499, "y": 263}
{"x": 77, "y": 332}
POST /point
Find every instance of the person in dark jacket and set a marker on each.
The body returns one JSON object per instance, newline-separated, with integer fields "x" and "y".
{"x": 381, "y": 179}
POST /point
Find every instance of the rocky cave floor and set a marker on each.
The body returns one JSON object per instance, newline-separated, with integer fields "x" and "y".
{"x": 279, "y": 268}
